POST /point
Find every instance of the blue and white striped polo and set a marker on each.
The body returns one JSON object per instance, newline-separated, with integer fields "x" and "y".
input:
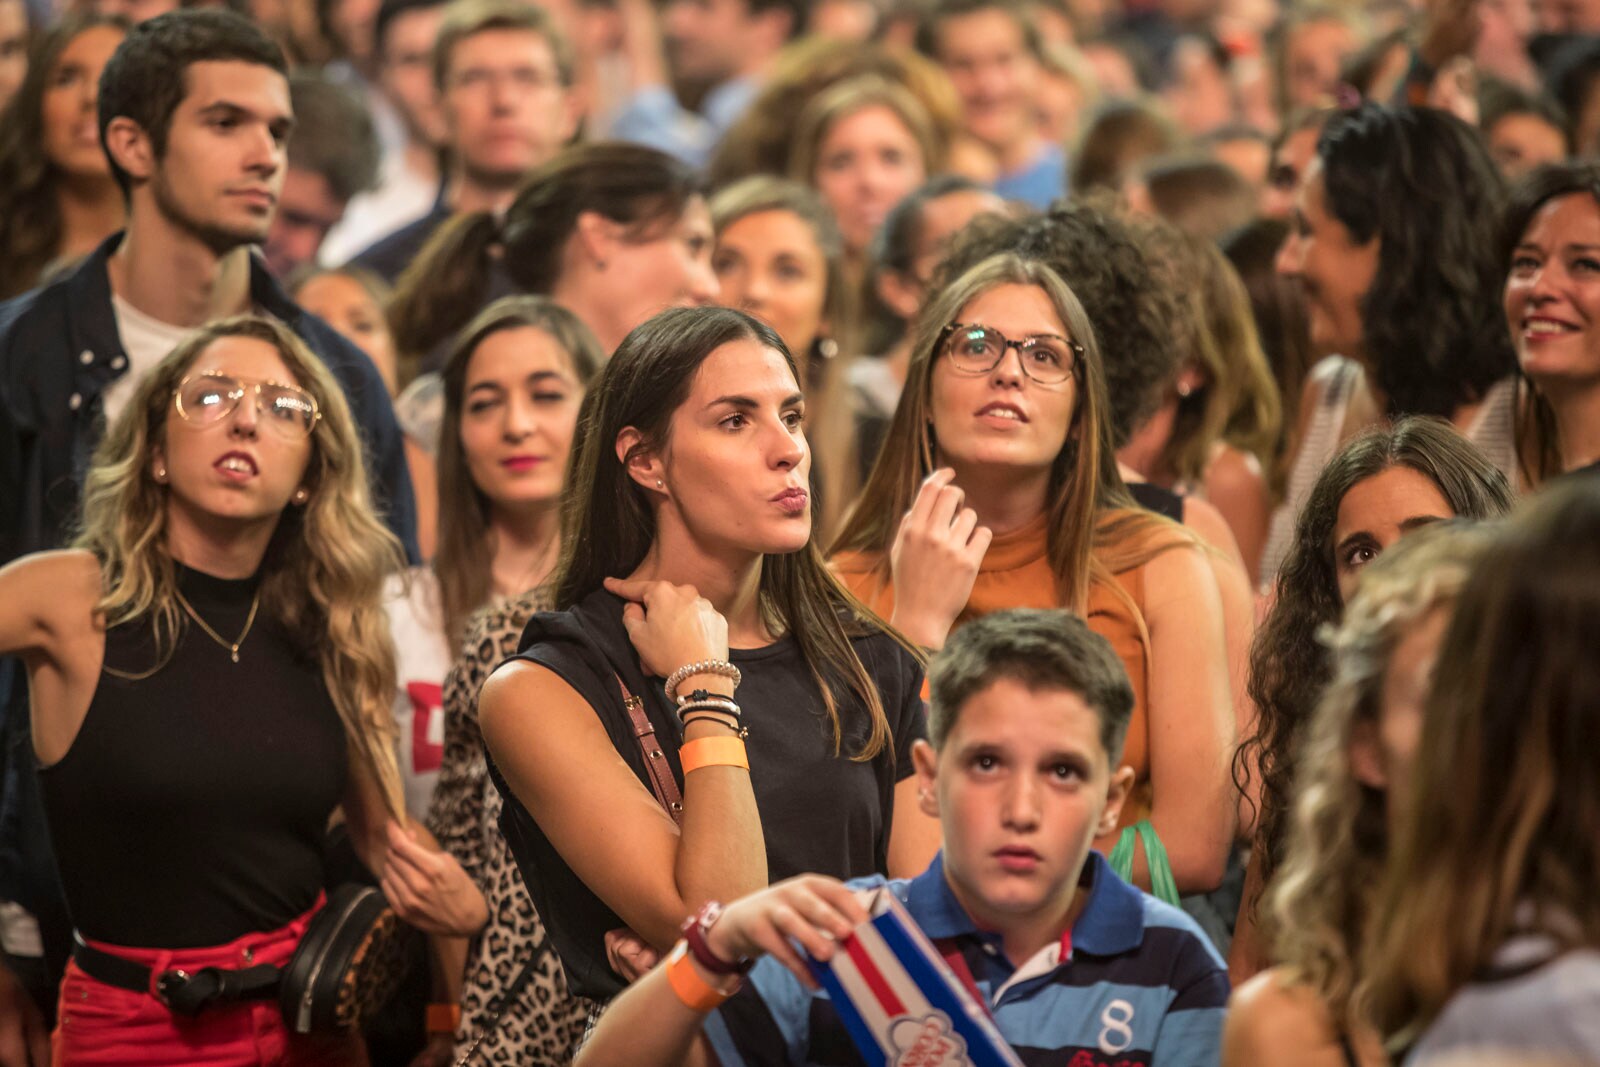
{"x": 1134, "y": 982}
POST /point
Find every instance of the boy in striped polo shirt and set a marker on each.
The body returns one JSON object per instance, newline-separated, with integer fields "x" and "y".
{"x": 1076, "y": 967}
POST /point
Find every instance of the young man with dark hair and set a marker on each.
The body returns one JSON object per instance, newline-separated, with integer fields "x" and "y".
{"x": 716, "y": 52}
{"x": 194, "y": 116}
{"x": 504, "y": 73}
{"x": 992, "y": 53}
{"x": 333, "y": 156}
{"x": 405, "y": 110}
{"x": 1075, "y": 966}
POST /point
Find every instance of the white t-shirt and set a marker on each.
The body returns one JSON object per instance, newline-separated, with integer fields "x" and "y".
{"x": 422, "y": 659}
{"x": 146, "y": 341}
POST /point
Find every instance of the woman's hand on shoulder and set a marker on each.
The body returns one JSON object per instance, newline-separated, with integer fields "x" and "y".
{"x": 935, "y": 559}
{"x": 670, "y": 625}
{"x": 812, "y": 910}
{"x": 48, "y": 597}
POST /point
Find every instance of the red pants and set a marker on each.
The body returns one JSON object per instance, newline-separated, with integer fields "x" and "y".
{"x": 100, "y": 1025}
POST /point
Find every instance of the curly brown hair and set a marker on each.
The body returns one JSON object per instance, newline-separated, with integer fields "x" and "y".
{"x": 1130, "y": 308}
{"x": 1289, "y": 664}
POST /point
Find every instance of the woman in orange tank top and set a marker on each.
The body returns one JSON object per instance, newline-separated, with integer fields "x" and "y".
{"x": 997, "y": 488}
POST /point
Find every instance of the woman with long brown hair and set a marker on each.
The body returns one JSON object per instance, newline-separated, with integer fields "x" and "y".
{"x": 210, "y": 676}
{"x": 1487, "y": 934}
{"x": 690, "y": 590}
{"x": 997, "y": 487}
{"x": 780, "y": 256}
{"x": 1389, "y": 480}
{"x": 512, "y": 387}
{"x": 1351, "y": 775}
{"x": 58, "y": 200}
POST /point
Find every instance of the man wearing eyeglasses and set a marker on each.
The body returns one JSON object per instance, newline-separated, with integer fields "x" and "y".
{"x": 504, "y": 75}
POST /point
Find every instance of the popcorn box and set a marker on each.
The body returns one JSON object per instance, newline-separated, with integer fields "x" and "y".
{"x": 900, "y": 1001}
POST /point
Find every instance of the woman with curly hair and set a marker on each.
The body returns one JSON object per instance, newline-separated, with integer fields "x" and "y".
{"x": 997, "y": 487}
{"x": 1395, "y": 245}
{"x": 1486, "y": 938}
{"x": 211, "y": 674}
{"x": 1351, "y": 776}
{"x": 1388, "y": 481}
{"x": 58, "y": 200}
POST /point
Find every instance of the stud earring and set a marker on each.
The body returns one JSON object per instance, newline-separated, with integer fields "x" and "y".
{"x": 301, "y": 496}
{"x": 660, "y": 484}
{"x": 161, "y": 474}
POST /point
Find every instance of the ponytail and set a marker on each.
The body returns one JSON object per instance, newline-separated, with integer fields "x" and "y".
{"x": 445, "y": 285}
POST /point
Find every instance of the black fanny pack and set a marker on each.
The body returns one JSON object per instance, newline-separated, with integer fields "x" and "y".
{"x": 347, "y": 965}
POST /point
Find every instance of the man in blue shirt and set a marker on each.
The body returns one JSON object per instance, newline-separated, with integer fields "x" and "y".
{"x": 1076, "y": 967}
{"x": 718, "y": 50}
{"x": 991, "y": 51}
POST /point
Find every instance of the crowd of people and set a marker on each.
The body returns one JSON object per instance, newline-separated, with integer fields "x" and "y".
{"x": 615, "y": 487}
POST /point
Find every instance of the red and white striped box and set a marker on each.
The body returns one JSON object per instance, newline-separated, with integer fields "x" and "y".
{"x": 900, "y": 1001}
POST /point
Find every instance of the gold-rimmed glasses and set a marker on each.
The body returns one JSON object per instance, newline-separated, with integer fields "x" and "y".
{"x": 210, "y": 396}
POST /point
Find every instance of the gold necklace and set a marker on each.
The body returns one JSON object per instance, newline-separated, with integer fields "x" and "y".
{"x": 233, "y": 649}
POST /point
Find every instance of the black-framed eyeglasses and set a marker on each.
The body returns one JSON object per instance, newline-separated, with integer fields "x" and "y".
{"x": 209, "y": 397}
{"x": 976, "y": 349}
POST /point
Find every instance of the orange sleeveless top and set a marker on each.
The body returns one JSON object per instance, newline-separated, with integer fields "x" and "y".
{"x": 1016, "y": 573}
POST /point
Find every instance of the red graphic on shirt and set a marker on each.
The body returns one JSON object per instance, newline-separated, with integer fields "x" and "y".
{"x": 427, "y": 700}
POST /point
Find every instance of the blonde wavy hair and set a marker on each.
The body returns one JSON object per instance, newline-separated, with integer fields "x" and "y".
{"x": 324, "y": 569}
{"x": 1095, "y": 531}
{"x": 1316, "y": 910}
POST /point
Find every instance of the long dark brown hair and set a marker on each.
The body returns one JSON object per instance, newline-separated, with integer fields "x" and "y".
{"x": 30, "y": 213}
{"x": 607, "y": 525}
{"x": 1289, "y": 664}
{"x": 1502, "y": 832}
{"x": 449, "y": 280}
{"x": 464, "y": 560}
{"x": 1095, "y": 531}
{"x": 1538, "y": 445}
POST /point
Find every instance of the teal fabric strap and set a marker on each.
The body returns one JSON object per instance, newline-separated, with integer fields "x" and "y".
{"x": 1162, "y": 885}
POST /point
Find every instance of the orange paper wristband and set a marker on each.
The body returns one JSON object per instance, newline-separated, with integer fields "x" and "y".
{"x": 695, "y": 992}
{"x": 713, "y": 752}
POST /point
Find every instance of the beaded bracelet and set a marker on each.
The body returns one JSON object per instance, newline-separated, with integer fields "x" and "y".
{"x": 706, "y": 666}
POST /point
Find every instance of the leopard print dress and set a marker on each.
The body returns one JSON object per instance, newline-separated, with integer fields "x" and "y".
{"x": 544, "y": 1024}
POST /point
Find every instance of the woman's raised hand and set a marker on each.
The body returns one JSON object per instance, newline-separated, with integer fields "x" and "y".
{"x": 670, "y": 625}
{"x": 935, "y": 560}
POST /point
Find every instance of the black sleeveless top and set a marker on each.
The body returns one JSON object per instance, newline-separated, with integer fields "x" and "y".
{"x": 819, "y": 812}
{"x": 1154, "y": 498}
{"x": 192, "y": 806}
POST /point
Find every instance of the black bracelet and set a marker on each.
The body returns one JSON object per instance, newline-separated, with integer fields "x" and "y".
{"x": 711, "y": 716}
{"x": 700, "y": 695}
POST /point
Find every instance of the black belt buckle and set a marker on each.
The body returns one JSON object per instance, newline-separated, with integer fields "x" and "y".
{"x": 169, "y": 985}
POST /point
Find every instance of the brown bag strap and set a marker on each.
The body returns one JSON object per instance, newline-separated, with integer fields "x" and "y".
{"x": 662, "y": 784}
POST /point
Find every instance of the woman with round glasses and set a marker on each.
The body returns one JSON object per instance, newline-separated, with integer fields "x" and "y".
{"x": 210, "y": 676}
{"x": 997, "y": 487}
